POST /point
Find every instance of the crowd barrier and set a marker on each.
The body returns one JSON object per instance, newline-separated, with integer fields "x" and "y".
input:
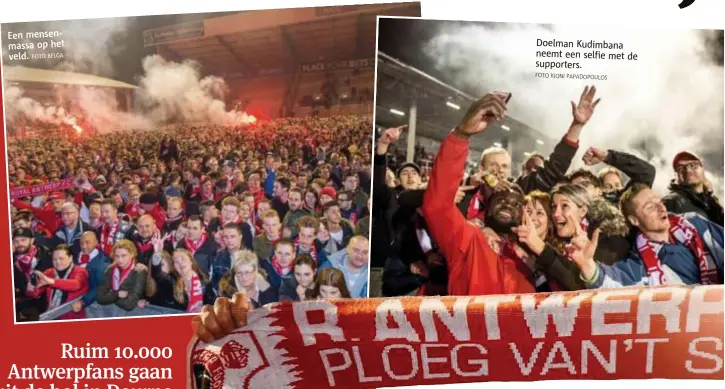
{"x": 633, "y": 333}
{"x": 97, "y": 311}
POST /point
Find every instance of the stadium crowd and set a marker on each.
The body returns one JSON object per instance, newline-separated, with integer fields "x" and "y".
{"x": 166, "y": 220}
{"x": 548, "y": 229}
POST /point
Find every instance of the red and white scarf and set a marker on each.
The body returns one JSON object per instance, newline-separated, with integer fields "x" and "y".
{"x": 683, "y": 232}
{"x": 108, "y": 236}
{"x": 27, "y": 262}
{"x": 85, "y": 259}
{"x": 195, "y": 295}
{"x": 282, "y": 271}
{"x": 146, "y": 245}
{"x": 192, "y": 246}
{"x": 312, "y": 252}
{"x": 475, "y": 207}
{"x": 120, "y": 275}
{"x": 133, "y": 209}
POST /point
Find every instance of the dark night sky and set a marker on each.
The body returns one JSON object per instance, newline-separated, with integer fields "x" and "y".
{"x": 403, "y": 39}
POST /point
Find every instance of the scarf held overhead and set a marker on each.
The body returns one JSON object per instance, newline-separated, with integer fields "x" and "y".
{"x": 407, "y": 341}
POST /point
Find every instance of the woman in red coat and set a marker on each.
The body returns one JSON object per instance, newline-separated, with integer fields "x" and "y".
{"x": 61, "y": 283}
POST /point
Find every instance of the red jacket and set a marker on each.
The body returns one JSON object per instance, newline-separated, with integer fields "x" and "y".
{"x": 76, "y": 285}
{"x": 45, "y": 215}
{"x": 473, "y": 267}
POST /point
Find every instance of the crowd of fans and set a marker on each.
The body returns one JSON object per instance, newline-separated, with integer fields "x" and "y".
{"x": 167, "y": 220}
{"x": 548, "y": 229}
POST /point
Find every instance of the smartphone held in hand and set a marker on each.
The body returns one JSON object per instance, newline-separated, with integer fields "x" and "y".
{"x": 505, "y": 96}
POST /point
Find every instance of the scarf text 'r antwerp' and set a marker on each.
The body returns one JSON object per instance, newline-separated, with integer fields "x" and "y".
{"x": 668, "y": 332}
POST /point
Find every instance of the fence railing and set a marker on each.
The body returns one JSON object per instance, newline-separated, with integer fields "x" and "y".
{"x": 97, "y": 311}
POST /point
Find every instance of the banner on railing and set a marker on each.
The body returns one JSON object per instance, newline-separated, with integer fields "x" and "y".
{"x": 633, "y": 333}
{"x": 338, "y": 65}
{"x": 35, "y": 190}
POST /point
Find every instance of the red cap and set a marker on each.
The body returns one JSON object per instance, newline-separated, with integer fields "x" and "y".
{"x": 56, "y": 196}
{"x": 330, "y": 191}
{"x": 684, "y": 155}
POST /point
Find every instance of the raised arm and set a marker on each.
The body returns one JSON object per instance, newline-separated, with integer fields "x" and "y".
{"x": 638, "y": 170}
{"x": 447, "y": 225}
{"x": 381, "y": 193}
{"x": 559, "y": 161}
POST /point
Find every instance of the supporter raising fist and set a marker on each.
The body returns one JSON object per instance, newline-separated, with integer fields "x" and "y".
{"x": 594, "y": 156}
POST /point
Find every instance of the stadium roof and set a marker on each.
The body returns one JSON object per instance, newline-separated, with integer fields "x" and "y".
{"x": 440, "y": 108}
{"x": 22, "y": 75}
{"x": 253, "y": 43}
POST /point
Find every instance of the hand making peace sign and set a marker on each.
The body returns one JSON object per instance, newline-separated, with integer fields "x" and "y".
{"x": 581, "y": 249}
{"x": 527, "y": 234}
{"x": 158, "y": 241}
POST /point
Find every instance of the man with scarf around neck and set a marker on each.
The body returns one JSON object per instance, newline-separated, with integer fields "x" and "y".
{"x": 230, "y": 214}
{"x": 480, "y": 261}
{"x": 272, "y": 227}
{"x": 281, "y": 265}
{"x": 71, "y": 230}
{"x": 669, "y": 249}
{"x": 112, "y": 229}
{"x": 296, "y": 211}
{"x": 222, "y": 262}
{"x": 61, "y": 283}
{"x": 123, "y": 283}
{"x": 145, "y": 232}
{"x": 199, "y": 243}
{"x": 306, "y": 241}
{"x": 95, "y": 262}
{"x": 27, "y": 258}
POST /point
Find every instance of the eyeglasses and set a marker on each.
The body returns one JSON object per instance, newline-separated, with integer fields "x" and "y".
{"x": 693, "y": 165}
